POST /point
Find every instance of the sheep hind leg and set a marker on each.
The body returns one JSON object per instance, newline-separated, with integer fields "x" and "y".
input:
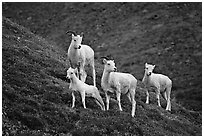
{"x": 118, "y": 94}
{"x": 132, "y": 94}
{"x": 168, "y": 93}
{"x": 73, "y": 100}
{"x": 83, "y": 99}
{"x": 99, "y": 101}
{"x": 129, "y": 97}
{"x": 94, "y": 75}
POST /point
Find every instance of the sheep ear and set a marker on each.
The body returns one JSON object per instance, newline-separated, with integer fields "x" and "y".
{"x": 145, "y": 64}
{"x": 75, "y": 70}
{"x": 104, "y": 61}
{"x": 154, "y": 66}
{"x": 82, "y": 34}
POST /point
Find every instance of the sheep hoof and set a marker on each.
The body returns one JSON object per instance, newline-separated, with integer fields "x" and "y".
{"x": 168, "y": 110}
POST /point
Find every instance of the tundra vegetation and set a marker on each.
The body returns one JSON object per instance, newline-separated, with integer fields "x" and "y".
{"x": 36, "y": 99}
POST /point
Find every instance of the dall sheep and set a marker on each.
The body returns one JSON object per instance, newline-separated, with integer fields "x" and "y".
{"x": 119, "y": 83}
{"x": 80, "y": 56}
{"x": 161, "y": 82}
{"x": 83, "y": 88}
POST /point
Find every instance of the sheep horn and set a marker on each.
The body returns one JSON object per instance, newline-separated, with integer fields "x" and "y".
{"x": 108, "y": 57}
{"x": 82, "y": 33}
{"x": 105, "y": 58}
{"x": 72, "y": 32}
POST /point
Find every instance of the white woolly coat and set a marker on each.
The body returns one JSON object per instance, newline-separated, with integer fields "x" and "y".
{"x": 121, "y": 82}
{"x": 78, "y": 85}
{"x": 83, "y": 55}
{"x": 157, "y": 80}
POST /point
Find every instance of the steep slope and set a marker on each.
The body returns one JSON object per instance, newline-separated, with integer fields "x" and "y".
{"x": 36, "y": 99}
{"x": 165, "y": 34}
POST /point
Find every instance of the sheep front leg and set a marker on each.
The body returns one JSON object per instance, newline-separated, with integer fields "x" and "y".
{"x": 118, "y": 94}
{"x": 107, "y": 101}
{"x": 157, "y": 96}
{"x": 77, "y": 73}
{"x": 82, "y": 73}
{"x": 83, "y": 99}
{"x": 168, "y": 107}
{"x": 147, "y": 97}
{"x": 73, "y": 100}
{"x": 83, "y": 76}
{"x": 93, "y": 75}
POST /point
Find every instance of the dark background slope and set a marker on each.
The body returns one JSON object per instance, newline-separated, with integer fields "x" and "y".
{"x": 35, "y": 96}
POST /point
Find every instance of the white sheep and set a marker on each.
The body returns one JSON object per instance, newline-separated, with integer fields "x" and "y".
{"x": 119, "y": 83}
{"x": 83, "y": 88}
{"x": 80, "y": 56}
{"x": 161, "y": 82}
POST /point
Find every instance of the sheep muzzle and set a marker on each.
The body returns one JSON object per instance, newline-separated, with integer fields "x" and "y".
{"x": 148, "y": 74}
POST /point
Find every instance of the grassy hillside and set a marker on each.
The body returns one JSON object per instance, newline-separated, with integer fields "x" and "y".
{"x": 35, "y": 95}
{"x": 165, "y": 34}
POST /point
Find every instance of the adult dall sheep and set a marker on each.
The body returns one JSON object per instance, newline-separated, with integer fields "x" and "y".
{"x": 80, "y": 56}
{"x": 83, "y": 88}
{"x": 119, "y": 83}
{"x": 161, "y": 82}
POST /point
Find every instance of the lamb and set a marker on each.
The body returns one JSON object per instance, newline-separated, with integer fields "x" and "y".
{"x": 80, "y": 56}
{"x": 83, "y": 88}
{"x": 161, "y": 82}
{"x": 120, "y": 83}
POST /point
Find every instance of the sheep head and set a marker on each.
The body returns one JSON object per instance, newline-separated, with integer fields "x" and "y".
{"x": 149, "y": 69}
{"x": 109, "y": 65}
{"x": 71, "y": 73}
{"x": 76, "y": 39}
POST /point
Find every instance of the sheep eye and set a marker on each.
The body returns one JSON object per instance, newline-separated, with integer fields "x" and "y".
{"x": 74, "y": 40}
{"x": 71, "y": 72}
{"x": 108, "y": 63}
